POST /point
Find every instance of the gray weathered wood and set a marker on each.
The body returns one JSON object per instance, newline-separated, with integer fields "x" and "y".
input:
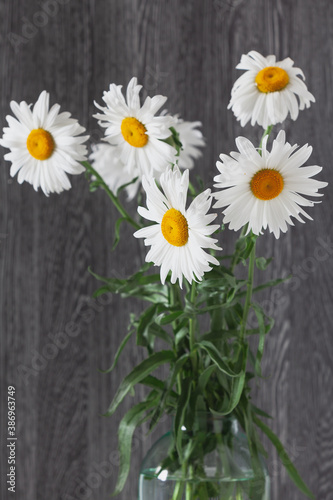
{"x": 188, "y": 51}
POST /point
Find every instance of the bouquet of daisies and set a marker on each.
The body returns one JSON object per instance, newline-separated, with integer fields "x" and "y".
{"x": 258, "y": 187}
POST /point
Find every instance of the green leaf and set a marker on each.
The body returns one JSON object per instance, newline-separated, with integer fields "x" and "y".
{"x": 119, "y": 351}
{"x": 233, "y": 316}
{"x": 117, "y": 232}
{"x": 215, "y": 356}
{"x": 204, "y": 377}
{"x": 201, "y": 404}
{"x": 155, "y": 383}
{"x": 186, "y": 385}
{"x": 180, "y": 334}
{"x": 145, "y": 320}
{"x": 166, "y": 393}
{"x": 101, "y": 291}
{"x": 123, "y": 186}
{"x": 127, "y": 426}
{"x": 260, "y": 351}
{"x": 218, "y": 281}
{"x": 271, "y": 284}
{"x": 263, "y": 263}
{"x": 93, "y": 186}
{"x": 220, "y": 334}
{"x": 257, "y": 486}
{"x": 260, "y": 412}
{"x": 141, "y": 371}
{"x": 138, "y": 285}
{"x": 169, "y": 318}
{"x": 237, "y": 384}
{"x": 236, "y": 387}
{"x": 244, "y": 246}
{"x": 173, "y": 140}
{"x": 291, "y": 469}
{"x": 159, "y": 332}
{"x": 135, "y": 277}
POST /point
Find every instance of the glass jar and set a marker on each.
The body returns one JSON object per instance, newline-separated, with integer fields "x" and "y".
{"x": 219, "y": 465}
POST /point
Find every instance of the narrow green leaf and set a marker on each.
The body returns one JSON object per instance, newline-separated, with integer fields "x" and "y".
{"x": 141, "y": 371}
{"x": 237, "y": 384}
{"x": 260, "y": 412}
{"x": 243, "y": 248}
{"x": 119, "y": 351}
{"x": 220, "y": 334}
{"x": 260, "y": 351}
{"x": 236, "y": 387}
{"x": 101, "y": 291}
{"x": 271, "y": 283}
{"x": 184, "y": 398}
{"x": 291, "y": 469}
{"x": 138, "y": 285}
{"x": 145, "y": 319}
{"x": 153, "y": 382}
{"x": 127, "y": 426}
{"x": 255, "y": 331}
{"x": 204, "y": 377}
{"x": 218, "y": 282}
{"x": 233, "y": 316}
{"x": 257, "y": 487}
{"x": 268, "y": 284}
{"x": 93, "y": 186}
{"x": 123, "y": 186}
{"x": 168, "y": 390}
{"x": 180, "y": 334}
{"x": 159, "y": 332}
{"x": 174, "y": 140}
{"x": 117, "y": 232}
{"x": 216, "y": 357}
{"x": 169, "y": 318}
{"x": 262, "y": 263}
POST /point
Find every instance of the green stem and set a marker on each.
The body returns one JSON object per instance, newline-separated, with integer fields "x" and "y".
{"x": 266, "y": 132}
{"x": 192, "y": 324}
{"x": 249, "y": 289}
{"x": 189, "y": 491}
{"x": 239, "y": 493}
{"x": 237, "y": 252}
{"x": 110, "y": 194}
{"x": 188, "y": 473}
{"x": 180, "y": 485}
{"x": 178, "y": 491}
{"x": 192, "y": 189}
{"x": 175, "y": 299}
{"x": 248, "y": 297}
{"x": 244, "y": 228}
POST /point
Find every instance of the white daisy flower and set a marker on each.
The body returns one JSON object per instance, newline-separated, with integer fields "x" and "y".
{"x": 112, "y": 171}
{"x": 191, "y": 139}
{"x": 45, "y": 145}
{"x": 268, "y": 90}
{"x": 179, "y": 235}
{"x": 135, "y": 131}
{"x": 266, "y": 190}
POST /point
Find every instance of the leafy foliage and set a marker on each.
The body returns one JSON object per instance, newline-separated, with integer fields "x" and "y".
{"x": 210, "y": 374}
{"x": 209, "y": 370}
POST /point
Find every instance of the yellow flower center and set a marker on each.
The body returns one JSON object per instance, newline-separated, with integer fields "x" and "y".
{"x": 134, "y": 132}
{"x": 175, "y": 228}
{"x": 267, "y": 184}
{"x": 272, "y": 79}
{"x": 40, "y": 144}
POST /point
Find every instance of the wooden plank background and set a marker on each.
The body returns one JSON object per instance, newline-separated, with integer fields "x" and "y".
{"x": 188, "y": 51}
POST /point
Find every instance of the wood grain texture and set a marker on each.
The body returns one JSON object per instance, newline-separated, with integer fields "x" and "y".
{"x": 188, "y": 51}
